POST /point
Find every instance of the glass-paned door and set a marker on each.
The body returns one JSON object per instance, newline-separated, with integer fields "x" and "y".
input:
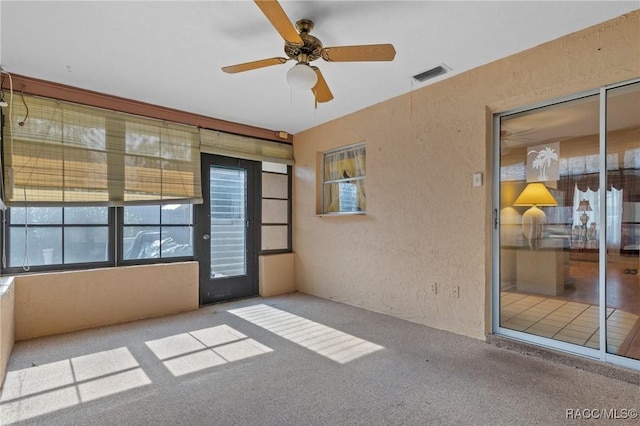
{"x": 568, "y": 224}
{"x": 623, "y": 221}
{"x": 227, "y": 228}
{"x": 550, "y": 224}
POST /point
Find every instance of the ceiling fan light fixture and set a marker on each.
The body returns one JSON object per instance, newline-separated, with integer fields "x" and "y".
{"x": 302, "y": 77}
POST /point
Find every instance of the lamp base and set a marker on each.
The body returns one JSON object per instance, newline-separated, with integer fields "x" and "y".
{"x": 532, "y": 221}
{"x": 584, "y": 218}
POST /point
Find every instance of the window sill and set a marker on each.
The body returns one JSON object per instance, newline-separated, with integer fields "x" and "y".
{"x": 341, "y": 214}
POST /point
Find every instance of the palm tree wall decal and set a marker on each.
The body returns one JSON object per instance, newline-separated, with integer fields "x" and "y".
{"x": 543, "y": 161}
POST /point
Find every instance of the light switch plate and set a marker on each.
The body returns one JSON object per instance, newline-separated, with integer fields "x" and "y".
{"x": 477, "y": 179}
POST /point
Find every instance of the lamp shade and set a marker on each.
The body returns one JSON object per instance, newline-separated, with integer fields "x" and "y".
{"x": 302, "y": 77}
{"x": 535, "y": 194}
{"x": 584, "y": 206}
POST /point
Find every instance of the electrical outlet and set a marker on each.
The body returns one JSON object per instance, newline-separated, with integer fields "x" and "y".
{"x": 455, "y": 292}
{"x": 434, "y": 288}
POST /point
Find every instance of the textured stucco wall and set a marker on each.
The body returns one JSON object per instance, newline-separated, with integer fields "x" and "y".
{"x": 66, "y": 301}
{"x": 277, "y": 274}
{"x": 425, "y": 222}
{"x": 7, "y": 293}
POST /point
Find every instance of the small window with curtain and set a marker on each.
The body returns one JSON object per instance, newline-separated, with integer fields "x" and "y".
{"x": 343, "y": 188}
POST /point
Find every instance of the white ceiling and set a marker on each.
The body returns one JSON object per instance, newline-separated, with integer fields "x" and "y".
{"x": 170, "y": 52}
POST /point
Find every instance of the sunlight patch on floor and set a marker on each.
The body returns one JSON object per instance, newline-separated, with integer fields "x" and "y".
{"x": 46, "y": 388}
{"x": 201, "y": 349}
{"x": 326, "y": 341}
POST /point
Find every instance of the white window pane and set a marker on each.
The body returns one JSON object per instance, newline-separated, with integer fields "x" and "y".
{"x": 344, "y": 197}
{"x": 151, "y": 232}
{"x": 44, "y": 246}
{"x": 275, "y": 238}
{"x": 179, "y": 214}
{"x": 86, "y": 244}
{"x": 147, "y": 215}
{"x": 275, "y": 186}
{"x": 274, "y": 211}
{"x": 141, "y": 242}
{"x": 177, "y": 241}
{"x": 348, "y": 197}
{"x": 36, "y": 215}
{"x": 86, "y": 215}
{"x": 148, "y": 242}
{"x": 274, "y": 167}
{"x": 228, "y": 193}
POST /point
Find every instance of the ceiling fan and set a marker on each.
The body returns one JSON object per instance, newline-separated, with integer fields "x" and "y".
{"x": 304, "y": 48}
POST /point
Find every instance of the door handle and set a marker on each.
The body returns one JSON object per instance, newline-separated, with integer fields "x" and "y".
{"x": 206, "y": 237}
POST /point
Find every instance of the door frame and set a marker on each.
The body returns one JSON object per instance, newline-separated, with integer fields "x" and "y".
{"x": 250, "y": 287}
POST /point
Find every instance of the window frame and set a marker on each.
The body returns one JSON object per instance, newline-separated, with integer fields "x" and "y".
{"x": 120, "y": 226}
{"x": 324, "y": 208}
{"x": 5, "y": 235}
{"x": 115, "y": 226}
{"x": 289, "y": 247}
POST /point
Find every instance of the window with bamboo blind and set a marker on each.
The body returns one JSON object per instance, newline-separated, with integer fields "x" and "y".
{"x": 67, "y": 166}
{"x": 62, "y": 153}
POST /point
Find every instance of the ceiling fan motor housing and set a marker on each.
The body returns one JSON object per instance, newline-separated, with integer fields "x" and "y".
{"x": 311, "y": 48}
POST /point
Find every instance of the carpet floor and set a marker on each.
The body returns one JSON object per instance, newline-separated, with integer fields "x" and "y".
{"x": 294, "y": 360}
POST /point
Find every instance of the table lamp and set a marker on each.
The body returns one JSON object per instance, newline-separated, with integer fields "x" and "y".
{"x": 534, "y": 195}
{"x": 584, "y": 207}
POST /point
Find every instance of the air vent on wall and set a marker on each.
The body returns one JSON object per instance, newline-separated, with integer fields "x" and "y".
{"x": 432, "y": 73}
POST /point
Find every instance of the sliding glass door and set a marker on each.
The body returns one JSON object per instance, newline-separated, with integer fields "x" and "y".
{"x": 568, "y": 234}
{"x": 623, "y": 221}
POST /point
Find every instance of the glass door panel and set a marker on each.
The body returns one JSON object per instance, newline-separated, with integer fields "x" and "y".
{"x": 549, "y": 222}
{"x": 228, "y": 222}
{"x": 623, "y": 221}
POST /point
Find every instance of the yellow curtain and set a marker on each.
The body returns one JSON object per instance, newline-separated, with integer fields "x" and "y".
{"x": 344, "y": 166}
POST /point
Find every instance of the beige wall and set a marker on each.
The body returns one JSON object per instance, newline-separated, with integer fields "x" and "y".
{"x": 7, "y": 292}
{"x": 425, "y": 222}
{"x": 66, "y": 301}
{"x": 277, "y": 274}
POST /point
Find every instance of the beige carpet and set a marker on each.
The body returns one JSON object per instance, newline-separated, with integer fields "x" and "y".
{"x": 296, "y": 360}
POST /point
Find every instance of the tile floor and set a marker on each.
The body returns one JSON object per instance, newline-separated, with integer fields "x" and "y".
{"x": 571, "y": 322}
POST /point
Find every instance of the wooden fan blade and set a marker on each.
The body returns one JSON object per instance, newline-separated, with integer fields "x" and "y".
{"x": 321, "y": 89}
{"x": 274, "y": 13}
{"x": 232, "y": 69}
{"x": 366, "y": 52}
